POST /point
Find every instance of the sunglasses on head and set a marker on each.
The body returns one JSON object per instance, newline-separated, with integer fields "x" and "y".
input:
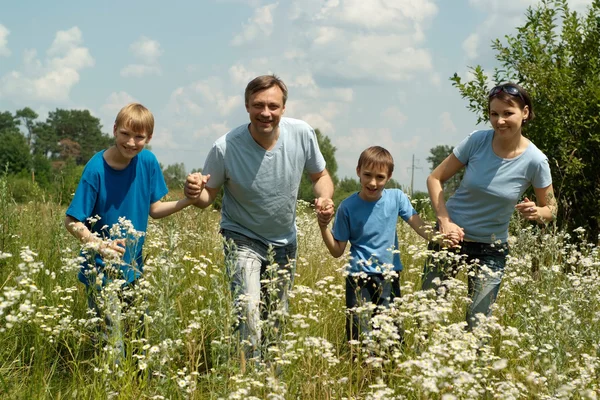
{"x": 513, "y": 91}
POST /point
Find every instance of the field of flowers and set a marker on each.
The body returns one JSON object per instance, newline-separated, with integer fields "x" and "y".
{"x": 543, "y": 341}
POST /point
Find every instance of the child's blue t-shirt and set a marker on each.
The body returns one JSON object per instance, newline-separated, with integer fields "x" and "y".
{"x": 370, "y": 227}
{"x": 110, "y": 194}
{"x": 492, "y": 186}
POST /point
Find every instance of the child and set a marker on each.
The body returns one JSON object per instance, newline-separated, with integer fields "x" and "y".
{"x": 368, "y": 220}
{"x": 124, "y": 181}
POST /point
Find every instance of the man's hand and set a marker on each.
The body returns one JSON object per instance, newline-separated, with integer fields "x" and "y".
{"x": 194, "y": 184}
{"x": 325, "y": 210}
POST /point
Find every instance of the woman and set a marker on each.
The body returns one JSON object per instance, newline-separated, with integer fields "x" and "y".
{"x": 500, "y": 165}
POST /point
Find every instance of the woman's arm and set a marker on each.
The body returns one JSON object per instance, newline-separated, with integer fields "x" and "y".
{"x": 546, "y": 208}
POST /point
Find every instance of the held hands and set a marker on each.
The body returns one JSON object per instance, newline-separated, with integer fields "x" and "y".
{"x": 452, "y": 233}
{"x": 194, "y": 184}
{"x": 325, "y": 210}
{"x": 528, "y": 209}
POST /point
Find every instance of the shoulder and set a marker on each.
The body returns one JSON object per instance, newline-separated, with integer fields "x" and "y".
{"x": 95, "y": 163}
{"x": 535, "y": 154}
{"x": 236, "y": 134}
{"x": 295, "y": 126}
{"x": 147, "y": 157}
{"x": 481, "y": 135}
{"x": 349, "y": 202}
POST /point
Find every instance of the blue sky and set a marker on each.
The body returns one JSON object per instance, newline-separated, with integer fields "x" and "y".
{"x": 366, "y": 73}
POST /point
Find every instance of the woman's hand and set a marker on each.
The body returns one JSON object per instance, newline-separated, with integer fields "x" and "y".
{"x": 453, "y": 234}
{"x": 528, "y": 209}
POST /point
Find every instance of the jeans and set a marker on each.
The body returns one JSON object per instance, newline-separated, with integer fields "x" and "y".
{"x": 360, "y": 292}
{"x": 260, "y": 278}
{"x": 485, "y": 261}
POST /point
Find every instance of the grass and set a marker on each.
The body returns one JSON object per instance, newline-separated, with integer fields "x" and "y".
{"x": 543, "y": 341}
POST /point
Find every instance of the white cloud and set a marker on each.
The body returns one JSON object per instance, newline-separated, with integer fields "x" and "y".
{"x": 116, "y": 101}
{"x": 4, "y": 50}
{"x": 53, "y": 78}
{"x": 470, "y": 46}
{"x": 260, "y": 24}
{"x": 213, "y": 131}
{"x": 147, "y": 52}
{"x": 394, "y": 115}
{"x": 139, "y": 70}
{"x": 240, "y": 75}
{"x": 447, "y": 123}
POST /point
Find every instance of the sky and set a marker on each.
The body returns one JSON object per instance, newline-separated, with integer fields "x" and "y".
{"x": 364, "y": 72}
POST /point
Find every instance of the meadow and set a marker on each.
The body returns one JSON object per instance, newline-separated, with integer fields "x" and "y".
{"x": 543, "y": 341}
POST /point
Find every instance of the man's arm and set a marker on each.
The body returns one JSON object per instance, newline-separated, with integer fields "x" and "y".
{"x": 196, "y": 190}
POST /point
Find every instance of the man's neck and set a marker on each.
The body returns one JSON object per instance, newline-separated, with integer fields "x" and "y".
{"x": 267, "y": 142}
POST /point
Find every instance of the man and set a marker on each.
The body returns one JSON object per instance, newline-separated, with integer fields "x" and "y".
{"x": 260, "y": 165}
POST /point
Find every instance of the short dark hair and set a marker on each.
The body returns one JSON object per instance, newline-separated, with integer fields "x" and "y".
{"x": 521, "y": 100}
{"x": 264, "y": 82}
{"x": 377, "y": 157}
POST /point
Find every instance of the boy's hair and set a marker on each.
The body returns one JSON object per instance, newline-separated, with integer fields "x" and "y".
{"x": 135, "y": 117}
{"x": 265, "y": 82}
{"x": 376, "y": 157}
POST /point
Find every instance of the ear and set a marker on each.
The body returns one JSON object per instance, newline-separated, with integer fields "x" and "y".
{"x": 358, "y": 171}
{"x": 115, "y": 130}
{"x": 148, "y": 139}
{"x": 526, "y": 112}
{"x": 247, "y": 107}
{"x": 283, "y": 110}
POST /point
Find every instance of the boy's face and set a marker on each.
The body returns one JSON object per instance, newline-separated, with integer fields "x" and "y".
{"x": 372, "y": 181}
{"x": 128, "y": 142}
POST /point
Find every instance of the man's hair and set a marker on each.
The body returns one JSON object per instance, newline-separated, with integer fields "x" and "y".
{"x": 135, "y": 117}
{"x": 264, "y": 82}
{"x": 376, "y": 157}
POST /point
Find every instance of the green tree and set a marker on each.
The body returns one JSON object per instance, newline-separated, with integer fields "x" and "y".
{"x": 438, "y": 154}
{"x": 14, "y": 151}
{"x": 305, "y": 192}
{"x": 345, "y": 188}
{"x": 175, "y": 175}
{"x": 555, "y": 55}
{"x": 77, "y": 126}
{"x": 28, "y": 117}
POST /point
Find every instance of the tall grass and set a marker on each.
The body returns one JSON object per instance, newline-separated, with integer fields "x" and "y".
{"x": 543, "y": 340}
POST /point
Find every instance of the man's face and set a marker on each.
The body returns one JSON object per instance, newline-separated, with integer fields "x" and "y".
{"x": 265, "y": 109}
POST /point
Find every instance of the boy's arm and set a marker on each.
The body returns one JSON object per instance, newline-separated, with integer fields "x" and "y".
{"x": 335, "y": 247}
{"x": 419, "y": 226}
{"x": 160, "y": 209}
{"x": 83, "y": 234}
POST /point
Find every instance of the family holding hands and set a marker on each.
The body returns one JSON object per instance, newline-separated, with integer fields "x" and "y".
{"x": 260, "y": 164}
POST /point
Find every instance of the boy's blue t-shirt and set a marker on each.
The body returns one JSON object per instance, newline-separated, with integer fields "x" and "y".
{"x": 370, "y": 227}
{"x": 492, "y": 186}
{"x": 110, "y": 194}
{"x": 261, "y": 186}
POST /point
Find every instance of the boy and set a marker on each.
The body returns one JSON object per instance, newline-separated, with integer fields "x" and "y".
{"x": 123, "y": 181}
{"x": 368, "y": 220}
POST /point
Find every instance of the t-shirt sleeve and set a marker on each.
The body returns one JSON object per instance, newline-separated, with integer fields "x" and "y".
{"x": 341, "y": 224}
{"x": 158, "y": 185}
{"x": 314, "y": 159}
{"x": 84, "y": 200}
{"x": 405, "y": 208}
{"x": 542, "y": 177}
{"x": 465, "y": 148}
{"x": 215, "y": 166}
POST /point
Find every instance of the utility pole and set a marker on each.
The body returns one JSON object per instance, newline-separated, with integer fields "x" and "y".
{"x": 412, "y": 174}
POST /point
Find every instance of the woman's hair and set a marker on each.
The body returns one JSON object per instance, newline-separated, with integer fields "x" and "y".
{"x": 513, "y": 94}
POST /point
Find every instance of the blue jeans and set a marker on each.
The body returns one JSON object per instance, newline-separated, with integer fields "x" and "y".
{"x": 486, "y": 261}
{"x": 361, "y": 291}
{"x": 260, "y": 278}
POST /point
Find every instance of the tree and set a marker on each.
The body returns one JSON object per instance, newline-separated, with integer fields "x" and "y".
{"x": 555, "y": 55}
{"x": 14, "y": 151}
{"x": 28, "y": 117}
{"x": 305, "y": 192}
{"x": 438, "y": 154}
{"x": 175, "y": 175}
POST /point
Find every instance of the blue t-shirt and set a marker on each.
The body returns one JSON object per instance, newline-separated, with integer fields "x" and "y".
{"x": 492, "y": 186}
{"x": 110, "y": 194}
{"x": 261, "y": 186}
{"x": 370, "y": 227}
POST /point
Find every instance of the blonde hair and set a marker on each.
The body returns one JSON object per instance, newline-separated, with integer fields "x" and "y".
{"x": 376, "y": 157}
{"x": 135, "y": 117}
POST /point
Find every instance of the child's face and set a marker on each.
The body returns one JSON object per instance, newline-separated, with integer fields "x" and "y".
{"x": 128, "y": 142}
{"x": 372, "y": 182}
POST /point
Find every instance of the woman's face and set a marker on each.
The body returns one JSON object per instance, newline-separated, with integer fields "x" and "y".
{"x": 507, "y": 118}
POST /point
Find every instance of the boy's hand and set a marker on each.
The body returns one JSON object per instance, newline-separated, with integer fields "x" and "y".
{"x": 194, "y": 184}
{"x": 325, "y": 210}
{"x": 453, "y": 234}
{"x": 112, "y": 250}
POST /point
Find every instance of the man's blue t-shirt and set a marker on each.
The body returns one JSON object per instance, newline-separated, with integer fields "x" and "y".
{"x": 261, "y": 186}
{"x": 370, "y": 227}
{"x": 492, "y": 186}
{"x": 110, "y": 194}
